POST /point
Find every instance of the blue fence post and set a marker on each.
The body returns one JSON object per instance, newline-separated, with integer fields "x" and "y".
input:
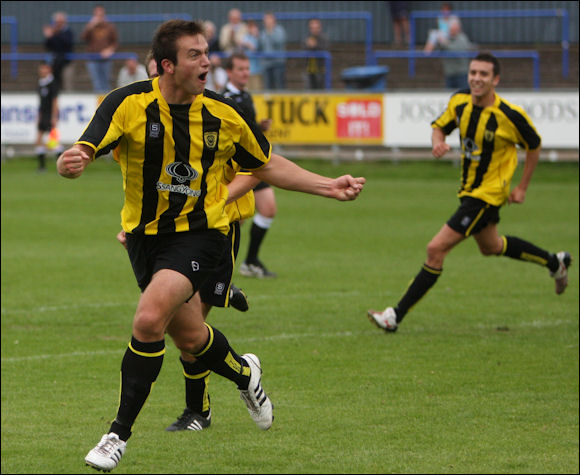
{"x": 13, "y": 22}
{"x": 412, "y": 33}
{"x": 328, "y": 70}
{"x": 565, "y": 43}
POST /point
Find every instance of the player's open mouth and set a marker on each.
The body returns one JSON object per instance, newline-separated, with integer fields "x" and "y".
{"x": 203, "y": 77}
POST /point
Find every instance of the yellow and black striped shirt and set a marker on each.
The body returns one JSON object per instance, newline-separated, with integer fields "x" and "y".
{"x": 174, "y": 158}
{"x": 489, "y": 136}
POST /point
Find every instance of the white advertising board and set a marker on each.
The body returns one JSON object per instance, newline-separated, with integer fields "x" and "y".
{"x": 407, "y": 117}
{"x": 20, "y": 114}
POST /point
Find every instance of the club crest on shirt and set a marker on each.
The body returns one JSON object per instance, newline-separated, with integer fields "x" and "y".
{"x": 489, "y": 135}
{"x": 210, "y": 139}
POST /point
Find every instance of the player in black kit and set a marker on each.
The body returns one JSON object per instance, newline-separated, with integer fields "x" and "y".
{"x": 238, "y": 69}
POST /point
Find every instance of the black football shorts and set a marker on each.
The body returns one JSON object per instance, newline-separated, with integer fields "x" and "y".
{"x": 195, "y": 254}
{"x": 472, "y": 216}
{"x": 214, "y": 291}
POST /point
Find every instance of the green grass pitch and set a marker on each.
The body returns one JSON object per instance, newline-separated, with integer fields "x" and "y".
{"x": 482, "y": 376}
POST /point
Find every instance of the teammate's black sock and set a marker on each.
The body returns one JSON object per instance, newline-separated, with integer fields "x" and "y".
{"x": 257, "y": 234}
{"x": 422, "y": 282}
{"x": 41, "y": 161}
{"x": 517, "y": 248}
{"x": 196, "y": 386}
{"x": 139, "y": 370}
{"x": 221, "y": 358}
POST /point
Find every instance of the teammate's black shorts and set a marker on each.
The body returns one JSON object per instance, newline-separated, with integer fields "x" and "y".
{"x": 261, "y": 186}
{"x": 44, "y": 123}
{"x": 472, "y": 216}
{"x": 195, "y": 254}
{"x": 215, "y": 290}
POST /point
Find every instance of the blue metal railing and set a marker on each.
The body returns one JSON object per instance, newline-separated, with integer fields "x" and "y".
{"x": 366, "y": 16}
{"x": 133, "y": 18}
{"x": 123, "y": 18}
{"x": 412, "y": 55}
{"x": 563, "y": 14}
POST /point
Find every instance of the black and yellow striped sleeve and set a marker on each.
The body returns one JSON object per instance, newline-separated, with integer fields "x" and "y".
{"x": 527, "y": 136}
{"x": 449, "y": 119}
{"x": 106, "y": 128}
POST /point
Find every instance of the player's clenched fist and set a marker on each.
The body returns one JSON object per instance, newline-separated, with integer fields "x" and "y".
{"x": 72, "y": 162}
{"x": 348, "y": 187}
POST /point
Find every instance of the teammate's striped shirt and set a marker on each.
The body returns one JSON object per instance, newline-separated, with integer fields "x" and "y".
{"x": 488, "y": 144}
{"x": 174, "y": 158}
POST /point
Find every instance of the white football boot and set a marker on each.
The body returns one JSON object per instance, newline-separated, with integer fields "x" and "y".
{"x": 106, "y": 455}
{"x": 386, "y": 320}
{"x": 258, "y": 403}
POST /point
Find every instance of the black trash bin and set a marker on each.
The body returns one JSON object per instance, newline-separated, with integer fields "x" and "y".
{"x": 370, "y": 78}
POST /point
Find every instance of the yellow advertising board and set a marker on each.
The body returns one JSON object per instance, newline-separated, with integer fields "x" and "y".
{"x": 318, "y": 118}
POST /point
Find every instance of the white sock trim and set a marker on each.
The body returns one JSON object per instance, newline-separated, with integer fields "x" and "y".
{"x": 262, "y": 221}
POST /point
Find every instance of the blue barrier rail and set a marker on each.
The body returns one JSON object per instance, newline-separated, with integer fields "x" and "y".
{"x": 16, "y": 57}
{"x": 133, "y": 18}
{"x": 411, "y": 55}
{"x": 563, "y": 14}
{"x": 366, "y": 16}
{"x": 122, "y": 18}
{"x": 94, "y": 56}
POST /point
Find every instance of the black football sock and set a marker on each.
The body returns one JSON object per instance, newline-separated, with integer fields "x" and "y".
{"x": 196, "y": 386}
{"x": 420, "y": 285}
{"x": 257, "y": 234}
{"x": 517, "y": 248}
{"x": 139, "y": 370}
{"x": 221, "y": 358}
{"x": 41, "y": 161}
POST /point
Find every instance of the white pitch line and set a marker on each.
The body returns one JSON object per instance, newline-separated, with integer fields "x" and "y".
{"x": 133, "y": 303}
{"x": 282, "y": 336}
{"x": 286, "y": 336}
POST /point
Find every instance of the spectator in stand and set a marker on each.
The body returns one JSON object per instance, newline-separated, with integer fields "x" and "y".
{"x": 101, "y": 37}
{"x": 213, "y": 41}
{"x": 315, "y": 41}
{"x": 131, "y": 72}
{"x": 251, "y": 45}
{"x": 455, "y": 69}
{"x": 444, "y": 19}
{"x": 233, "y": 32}
{"x": 400, "y": 18}
{"x": 273, "y": 40}
{"x": 217, "y": 77}
{"x": 59, "y": 40}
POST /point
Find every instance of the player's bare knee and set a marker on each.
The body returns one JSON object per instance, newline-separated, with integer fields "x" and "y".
{"x": 148, "y": 326}
{"x": 493, "y": 250}
{"x": 434, "y": 252}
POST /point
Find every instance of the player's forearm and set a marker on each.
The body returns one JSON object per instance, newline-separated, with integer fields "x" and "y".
{"x": 285, "y": 174}
{"x": 532, "y": 158}
{"x": 240, "y": 185}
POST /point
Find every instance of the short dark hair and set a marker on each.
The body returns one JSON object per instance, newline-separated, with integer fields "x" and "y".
{"x": 165, "y": 40}
{"x": 488, "y": 58}
{"x": 229, "y": 63}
